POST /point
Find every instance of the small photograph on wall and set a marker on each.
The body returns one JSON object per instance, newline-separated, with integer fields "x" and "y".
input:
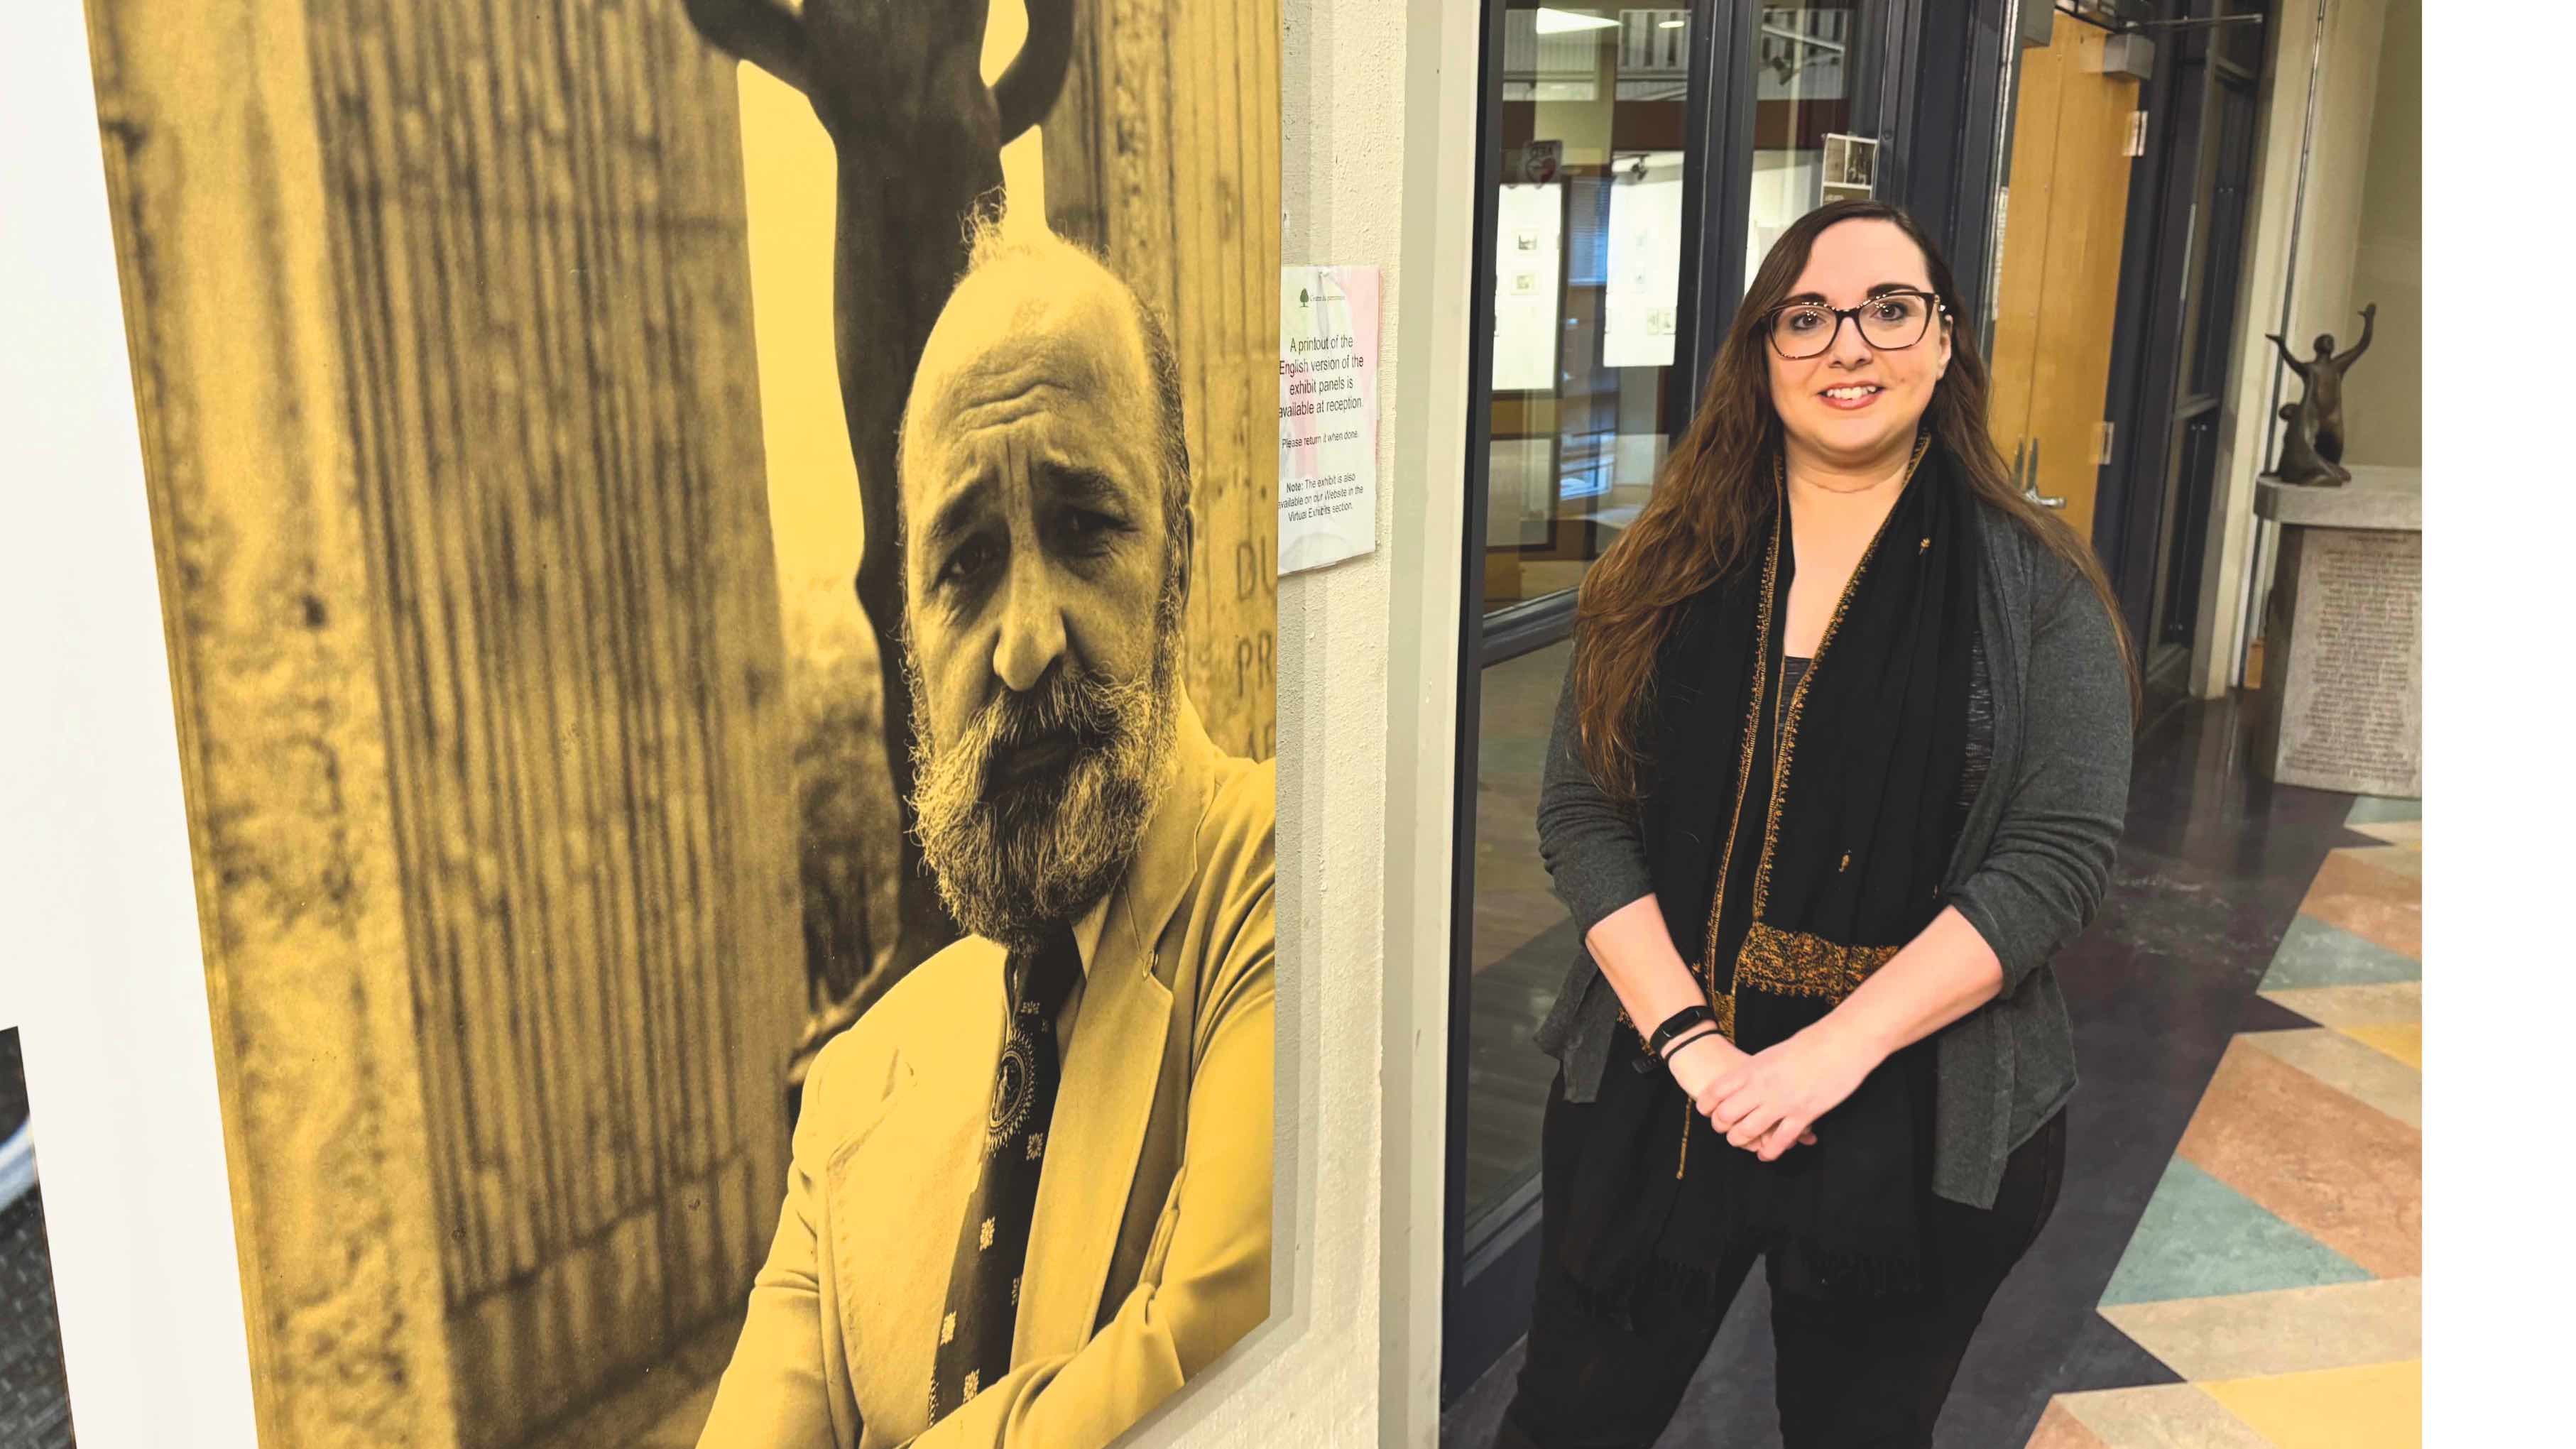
{"x": 35, "y": 1402}
{"x": 1851, "y": 167}
{"x": 718, "y": 564}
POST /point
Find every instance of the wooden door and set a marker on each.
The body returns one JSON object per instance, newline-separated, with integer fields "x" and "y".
{"x": 2064, "y": 218}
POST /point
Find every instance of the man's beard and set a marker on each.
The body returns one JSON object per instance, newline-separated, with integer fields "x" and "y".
{"x": 1013, "y": 858}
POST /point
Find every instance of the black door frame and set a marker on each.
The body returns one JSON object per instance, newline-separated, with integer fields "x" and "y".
{"x": 1486, "y": 1284}
{"x": 2215, "y": 285}
{"x": 1956, "y": 128}
{"x": 2140, "y": 524}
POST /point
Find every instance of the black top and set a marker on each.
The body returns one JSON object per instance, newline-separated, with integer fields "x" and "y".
{"x": 1981, "y": 722}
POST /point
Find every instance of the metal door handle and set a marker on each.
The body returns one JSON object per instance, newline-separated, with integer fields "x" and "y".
{"x": 2029, "y": 478}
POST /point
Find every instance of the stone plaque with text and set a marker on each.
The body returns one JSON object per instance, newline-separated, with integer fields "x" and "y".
{"x": 2347, "y": 683}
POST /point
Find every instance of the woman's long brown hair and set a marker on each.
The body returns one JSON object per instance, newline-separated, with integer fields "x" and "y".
{"x": 1712, "y": 491}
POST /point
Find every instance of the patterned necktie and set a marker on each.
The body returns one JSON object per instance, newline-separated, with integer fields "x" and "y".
{"x": 993, "y": 1241}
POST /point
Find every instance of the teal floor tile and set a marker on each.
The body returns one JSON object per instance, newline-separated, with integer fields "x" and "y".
{"x": 2313, "y": 953}
{"x": 2200, "y": 1238}
{"x": 2379, "y": 810}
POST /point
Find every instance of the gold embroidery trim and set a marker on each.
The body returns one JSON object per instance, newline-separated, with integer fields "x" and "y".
{"x": 1793, "y": 963}
{"x": 1724, "y": 1005}
{"x": 1743, "y": 778}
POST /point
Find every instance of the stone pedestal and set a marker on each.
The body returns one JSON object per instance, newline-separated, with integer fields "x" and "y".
{"x": 2342, "y": 699}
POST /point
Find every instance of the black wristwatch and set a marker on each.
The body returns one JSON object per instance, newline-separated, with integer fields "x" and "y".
{"x": 1673, "y": 1026}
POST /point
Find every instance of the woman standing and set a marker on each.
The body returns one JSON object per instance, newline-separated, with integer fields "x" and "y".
{"x": 1841, "y": 762}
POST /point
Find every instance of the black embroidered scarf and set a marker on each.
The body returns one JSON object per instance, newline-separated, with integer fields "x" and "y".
{"x": 1795, "y": 843}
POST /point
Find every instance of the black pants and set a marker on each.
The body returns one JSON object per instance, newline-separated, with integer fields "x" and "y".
{"x": 1856, "y": 1375}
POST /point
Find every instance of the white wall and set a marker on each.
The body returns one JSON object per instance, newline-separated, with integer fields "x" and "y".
{"x": 2317, "y": 268}
{"x": 99, "y": 968}
{"x": 2383, "y": 397}
{"x": 1377, "y": 159}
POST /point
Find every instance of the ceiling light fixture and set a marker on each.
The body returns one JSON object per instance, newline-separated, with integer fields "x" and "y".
{"x": 1552, "y": 21}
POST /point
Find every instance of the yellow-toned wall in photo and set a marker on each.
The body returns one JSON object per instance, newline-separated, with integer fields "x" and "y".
{"x": 442, "y": 341}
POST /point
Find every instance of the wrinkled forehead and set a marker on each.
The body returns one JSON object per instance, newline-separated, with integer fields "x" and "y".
{"x": 1051, "y": 338}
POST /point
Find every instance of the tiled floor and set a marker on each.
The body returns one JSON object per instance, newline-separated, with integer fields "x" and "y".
{"x": 2231, "y": 899}
{"x": 2277, "y": 1268}
{"x": 35, "y": 1408}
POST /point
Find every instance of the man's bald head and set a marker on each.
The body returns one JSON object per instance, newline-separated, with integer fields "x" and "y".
{"x": 1039, "y": 311}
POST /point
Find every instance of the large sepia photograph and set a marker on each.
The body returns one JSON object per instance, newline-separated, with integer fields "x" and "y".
{"x": 718, "y": 559}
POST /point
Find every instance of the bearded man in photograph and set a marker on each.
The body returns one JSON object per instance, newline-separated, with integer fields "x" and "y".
{"x": 1031, "y": 1187}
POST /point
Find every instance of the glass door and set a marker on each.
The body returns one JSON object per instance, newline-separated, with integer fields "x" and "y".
{"x": 1586, "y": 286}
{"x": 1590, "y": 148}
{"x": 1817, "y": 74}
{"x": 2218, "y": 74}
{"x": 1636, "y": 161}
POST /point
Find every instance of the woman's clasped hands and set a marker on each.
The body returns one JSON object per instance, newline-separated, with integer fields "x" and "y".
{"x": 1768, "y": 1101}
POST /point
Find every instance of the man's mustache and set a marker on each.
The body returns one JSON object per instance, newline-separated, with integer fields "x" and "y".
{"x": 1071, "y": 706}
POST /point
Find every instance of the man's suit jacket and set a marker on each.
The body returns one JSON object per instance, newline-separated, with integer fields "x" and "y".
{"x": 1149, "y": 1251}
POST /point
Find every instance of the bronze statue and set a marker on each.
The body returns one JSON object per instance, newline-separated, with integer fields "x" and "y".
{"x": 2323, "y": 375}
{"x": 2300, "y": 461}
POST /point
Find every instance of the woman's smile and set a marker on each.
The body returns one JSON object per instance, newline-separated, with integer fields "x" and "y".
{"x": 1851, "y": 396}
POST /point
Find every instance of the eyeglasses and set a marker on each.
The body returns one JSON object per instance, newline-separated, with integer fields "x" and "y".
{"x": 1890, "y": 320}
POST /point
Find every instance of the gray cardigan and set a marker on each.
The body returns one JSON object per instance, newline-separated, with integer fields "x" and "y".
{"x": 2032, "y": 862}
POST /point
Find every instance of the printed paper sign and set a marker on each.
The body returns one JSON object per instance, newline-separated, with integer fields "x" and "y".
{"x": 1641, "y": 304}
{"x": 1528, "y": 275}
{"x": 1327, "y": 415}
